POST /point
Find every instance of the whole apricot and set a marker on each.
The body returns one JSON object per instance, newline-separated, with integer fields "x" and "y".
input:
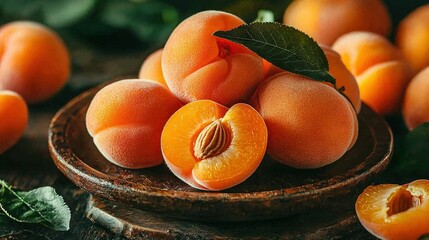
{"x": 344, "y": 78}
{"x": 198, "y": 65}
{"x": 412, "y": 37}
{"x": 126, "y": 118}
{"x": 391, "y": 211}
{"x": 310, "y": 124}
{"x": 326, "y": 20}
{"x": 381, "y": 71}
{"x": 211, "y": 147}
{"x": 152, "y": 69}
{"x": 416, "y": 101}
{"x": 14, "y": 119}
{"x": 34, "y": 61}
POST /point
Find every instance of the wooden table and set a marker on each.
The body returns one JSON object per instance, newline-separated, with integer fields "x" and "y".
{"x": 29, "y": 165}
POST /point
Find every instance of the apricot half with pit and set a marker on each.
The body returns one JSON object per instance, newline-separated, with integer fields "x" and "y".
{"x": 391, "y": 211}
{"x": 211, "y": 147}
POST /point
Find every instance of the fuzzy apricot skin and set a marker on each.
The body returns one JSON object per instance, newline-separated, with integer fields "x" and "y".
{"x": 152, "y": 69}
{"x": 309, "y": 123}
{"x": 198, "y": 65}
{"x": 126, "y": 118}
{"x": 416, "y": 101}
{"x": 14, "y": 119}
{"x": 372, "y": 207}
{"x": 412, "y": 37}
{"x": 326, "y": 20}
{"x": 241, "y": 156}
{"x": 343, "y": 77}
{"x": 34, "y": 61}
{"x": 381, "y": 70}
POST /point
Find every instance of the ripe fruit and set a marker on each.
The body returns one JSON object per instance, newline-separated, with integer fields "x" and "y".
{"x": 380, "y": 69}
{"x": 126, "y": 119}
{"x": 14, "y": 119}
{"x": 391, "y": 211}
{"x": 309, "y": 123}
{"x": 211, "y": 147}
{"x": 416, "y": 101}
{"x": 34, "y": 61}
{"x": 326, "y": 20}
{"x": 198, "y": 65}
{"x": 151, "y": 68}
{"x": 412, "y": 37}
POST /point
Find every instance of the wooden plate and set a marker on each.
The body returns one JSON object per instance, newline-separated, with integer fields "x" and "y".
{"x": 273, "y": 191}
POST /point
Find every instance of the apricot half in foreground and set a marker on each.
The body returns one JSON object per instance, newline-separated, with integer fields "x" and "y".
{"x": 211, "y": 147}
{"x": 391, "y": 211}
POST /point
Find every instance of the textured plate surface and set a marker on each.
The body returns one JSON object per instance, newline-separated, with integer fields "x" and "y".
{"x": 273, "y": 191}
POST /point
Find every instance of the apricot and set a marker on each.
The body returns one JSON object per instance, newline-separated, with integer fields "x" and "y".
{"x": 380, "y": 69}
{"x": 344, "y": 78}
{"x": 391, "y": 211}
{"x": 412, "y": 37}
{"x": 198, "y": 65}
{"x": 126, "y": 118}
{"x": 326, "y": 20}
{"x": 151, "y": 68}
{"x": 14, "y": 119}
{"x": 211, "y": 147}
{"x": 416, "y": 101}
{"x": 34, "y": 61}
{"x": 310, "y": 124}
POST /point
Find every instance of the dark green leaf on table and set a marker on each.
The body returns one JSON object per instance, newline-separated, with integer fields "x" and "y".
{"x": 412, "y": 156}
{"x": 41, "y": 205}
{"x": 283, "y": 46}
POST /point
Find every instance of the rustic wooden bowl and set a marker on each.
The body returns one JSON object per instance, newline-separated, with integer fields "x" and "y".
{"x": 273, "y": 191}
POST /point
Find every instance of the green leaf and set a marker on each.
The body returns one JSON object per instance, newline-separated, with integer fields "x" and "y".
{"x": 41, "y": 205}
{"x": 3, "y": 218}
{"x": 265, "y": 16}
{"x": 283, "y": 46}
{"x": 424, "y": 237}
{"x": 62, "y": 13}
{"x": 411, "y": 157}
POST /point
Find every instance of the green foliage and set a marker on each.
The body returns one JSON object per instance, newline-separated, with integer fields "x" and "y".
{"x": 149, "y": 20}
{"x": 38, "y": 206}
{"x": 283, "y": 46}
{"x": 265, "y": 16}
{"x": 411, "y": 157}
{"x": 62, "y": 13}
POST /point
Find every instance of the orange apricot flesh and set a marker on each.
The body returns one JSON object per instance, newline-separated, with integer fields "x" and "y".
{"x": 14, "y": 119}
{"x": 211, "y": 147}
{"x": 391, "y": 211}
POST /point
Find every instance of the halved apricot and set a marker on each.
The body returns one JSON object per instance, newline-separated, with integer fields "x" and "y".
{"x": 211, "y": 147}
{"x": 391, "y": 211}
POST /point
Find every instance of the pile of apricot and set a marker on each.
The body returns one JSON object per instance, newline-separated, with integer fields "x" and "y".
{"x": 34, "y": 66}
{"x": 211, "y": 109}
